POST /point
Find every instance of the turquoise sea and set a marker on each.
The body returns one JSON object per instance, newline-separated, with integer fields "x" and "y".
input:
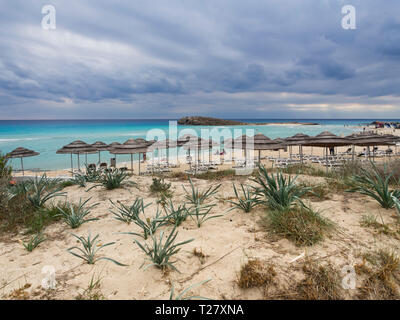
{"x": 47, "y": 136}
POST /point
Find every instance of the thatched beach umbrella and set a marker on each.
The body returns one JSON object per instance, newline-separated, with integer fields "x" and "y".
{"x": 22, "y": 153}
{"x": 162, "y": 144}
{"x": 77, "y": 147}
{"x": 327, "y": 140}
{"x": 132, "y": 147}
{"x": 100, "y": 146}
{"x": 370, "y": 139}
{"x": 298, "y": 139}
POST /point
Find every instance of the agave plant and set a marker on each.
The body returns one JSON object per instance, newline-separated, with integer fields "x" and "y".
{"x": 181, "y": 296}
{"x": 40, "y": 190}
{"x": 90, "y": 248}
{"x": 277, "y": 191}
{"x": 246, "y": 202}
{"x": 396, "y": 203}
{"x": 79, "y": 179}
{"x": 195, "y": 197}
{"x": 128, "y": 213}
{"x": 75, "y": 215}
{"x": 375, "y": 185}
{"x": 148, "y": 225}
{"x": 113, "y": 179}
{"x": 161, "y": 252}
{"x": 92, "y": 174}
{"x": 34, "y": 242}
{"x": 176, "y": 215}
{"x": 198, "y": 210}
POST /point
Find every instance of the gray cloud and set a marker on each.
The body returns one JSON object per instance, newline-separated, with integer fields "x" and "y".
{"x": 168, "y": 59}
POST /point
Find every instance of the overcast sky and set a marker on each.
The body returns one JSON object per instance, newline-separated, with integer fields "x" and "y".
{"x": 225, "y": 58}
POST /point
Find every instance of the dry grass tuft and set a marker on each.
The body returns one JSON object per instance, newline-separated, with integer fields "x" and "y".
{"x": 320, "y": 282}
{"x": 382, "y": 276}
{"x": 255, "y": 274}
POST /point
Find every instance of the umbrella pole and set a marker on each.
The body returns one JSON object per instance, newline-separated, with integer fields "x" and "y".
{"x": 259, "y": 156}
{"x": 72, "y": 167}
{"x": 131, "y": 162}
{"x": 85, "y": 158}
{"x": 79, "y": 163}
{"x": 301, "y": 153}
{"x": 326, "y": 159}
{"x": 139, "y": 163}
{"x": 22, "y": 166}
{"x": 99, "y": 157}
{"x": 352, "y": 156}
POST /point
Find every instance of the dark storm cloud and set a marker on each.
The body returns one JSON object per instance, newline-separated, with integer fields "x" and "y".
{"x": 171, "y": 58}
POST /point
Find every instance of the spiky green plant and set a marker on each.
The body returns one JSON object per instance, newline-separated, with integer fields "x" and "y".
{"x": 176, "y": 215}
{"x": 247, "y": 201}
{"x": 128, "y": 214}
{"x": 159, "y": 185}
{"x": 90, "y": 248}
{"x": 198, "y": 210}
{"x": 161, "y": 252}
{"x": 113, "y": 179}
{"x": 92, "y": 174}
{"x": 196, "y": 197}
{"x": 181, "y": 296}
{"x": 34, "y": 242}
{"x": 374, "y": 184}
{"x": 148, "y": 225}
{"x": 276, "y": 191}
{"x": 396, "y": 203}
{"x": 75, "y": 215}
{"x": 79, "y": 179}
{"x": 40, "y": 190}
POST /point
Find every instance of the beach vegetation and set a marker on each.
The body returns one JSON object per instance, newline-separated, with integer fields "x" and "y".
{"x": 321, "y": 282}
{"x": 255, "y": 273}
{"x": 90, "y": 247}
{"x": 113, "y": 179}
{"x": 199, "y": 211}
{"x": 34, "y": 242}
{"x": 182, "y": 295}
{"x": 277, "y": 191}
{"x": 130, "y": 213}
{"x": 148, "y": 225}
{"x": 380, "y": 275}
{"x": 300, "y": 224}
{"x": 38, "y": 190}
{"x": 160, "y": 186}
{"x": 76, "y": 214}
{"x": 176, "y": 215}
{"x": 375, "y": 184}
{"x": 247, "y": 201}
{"x": 160, "y": 252}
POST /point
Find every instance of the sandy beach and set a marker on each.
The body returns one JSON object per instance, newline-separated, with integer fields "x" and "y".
{"x": 212, "y": 254}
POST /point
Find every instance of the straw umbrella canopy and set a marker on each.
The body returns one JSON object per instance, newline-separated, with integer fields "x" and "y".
{"x": 279, "y": 144}
{"x": 77, "y": 147}
{"x": 100, "y": 146}
{"x": 162, "y": 144}
{"x": 370, "y": 139}
{"x": 326, "y": 140}
{"x": 130, "y": 147}
{"x": 22, "y": 153}
{"x": 298, "y": 139}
